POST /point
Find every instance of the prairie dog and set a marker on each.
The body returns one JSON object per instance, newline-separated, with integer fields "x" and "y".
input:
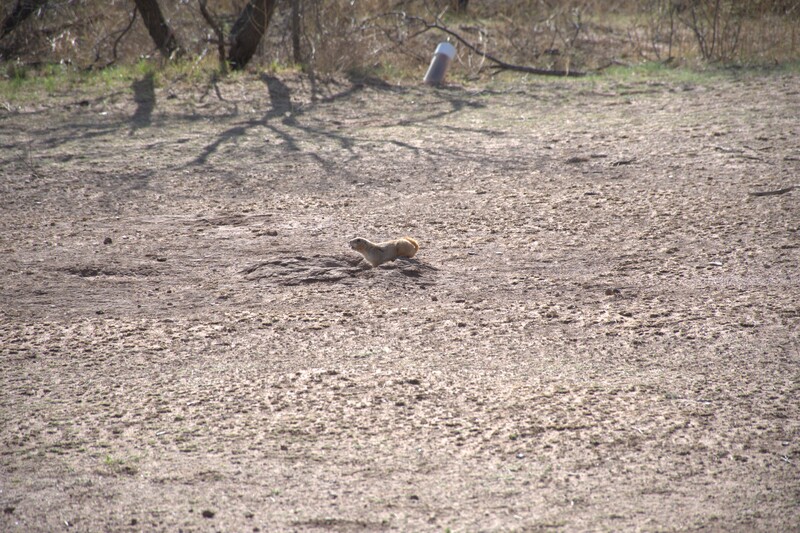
{"x": 380, "y": 253}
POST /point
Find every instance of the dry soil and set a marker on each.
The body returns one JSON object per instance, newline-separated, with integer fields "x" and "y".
{"x": 599, "y": 333}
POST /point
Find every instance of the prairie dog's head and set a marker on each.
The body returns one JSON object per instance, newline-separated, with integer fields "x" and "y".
{"x": 358, "y": 244}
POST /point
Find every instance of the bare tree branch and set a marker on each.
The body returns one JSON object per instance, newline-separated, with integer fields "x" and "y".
{"x": 122, "y": 34}
{"x": 217, "y": 28}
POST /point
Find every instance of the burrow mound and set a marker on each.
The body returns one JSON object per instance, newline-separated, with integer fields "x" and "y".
{"x": 301, "y": 270}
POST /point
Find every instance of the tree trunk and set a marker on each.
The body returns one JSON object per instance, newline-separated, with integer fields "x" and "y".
{"x": 247, "y": 31}
{"x": 162, "y": 34}
{"x": 296, "y": 53}
{"x": 23, "y": 10}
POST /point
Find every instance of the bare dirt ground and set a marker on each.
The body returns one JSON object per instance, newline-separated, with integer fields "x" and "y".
{"x": 600, "y": 332}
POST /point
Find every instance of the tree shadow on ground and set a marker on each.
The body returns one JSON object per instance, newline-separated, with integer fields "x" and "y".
{"x": 330, "y": 123}
{"x": 144, "y": 95}
{"x": 284, "y": 118}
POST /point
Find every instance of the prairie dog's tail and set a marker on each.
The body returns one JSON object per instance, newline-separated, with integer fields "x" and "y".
{"x": 412, "y": 241}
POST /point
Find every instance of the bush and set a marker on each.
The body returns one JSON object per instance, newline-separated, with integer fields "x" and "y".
{"x": 375, "y": 36}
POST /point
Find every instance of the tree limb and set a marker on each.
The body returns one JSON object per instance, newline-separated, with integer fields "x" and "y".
{"x": 121, "y": 35}
{"x": 217, "y": 28}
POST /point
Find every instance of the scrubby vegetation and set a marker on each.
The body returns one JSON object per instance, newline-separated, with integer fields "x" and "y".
{"x": 396, "y": 39}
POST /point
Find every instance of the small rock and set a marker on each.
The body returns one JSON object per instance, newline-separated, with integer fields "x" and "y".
{"x": 520, "y": 455}
{"x": 8, "y": 510}
{"x": 414, "y": 497}
{"x": 108, "y": 240}
{"x": 208, "y": 513}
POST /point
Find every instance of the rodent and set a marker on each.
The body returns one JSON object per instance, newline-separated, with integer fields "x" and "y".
{"x": 379, "y": 253}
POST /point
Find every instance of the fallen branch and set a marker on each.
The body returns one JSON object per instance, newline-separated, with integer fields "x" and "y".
{"x": 772, "y": 193}
{"x": 499, "y": 63}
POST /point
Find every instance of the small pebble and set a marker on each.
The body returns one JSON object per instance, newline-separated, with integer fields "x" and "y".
{"x": 108, "y": 240}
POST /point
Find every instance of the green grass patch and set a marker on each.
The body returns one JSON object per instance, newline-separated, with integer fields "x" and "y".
{"x": 386, "y": 71}
{"x": 23, "y": 84}
{"x": 697, "y": 74}
{"x": 117, "y": 466}
{"x": 658, "y": 71}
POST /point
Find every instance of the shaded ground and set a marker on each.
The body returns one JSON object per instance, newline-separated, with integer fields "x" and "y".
{"x": 600, "y": 331}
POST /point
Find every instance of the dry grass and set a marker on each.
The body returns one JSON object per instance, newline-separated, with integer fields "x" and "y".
{"x": 371, "y": 36}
